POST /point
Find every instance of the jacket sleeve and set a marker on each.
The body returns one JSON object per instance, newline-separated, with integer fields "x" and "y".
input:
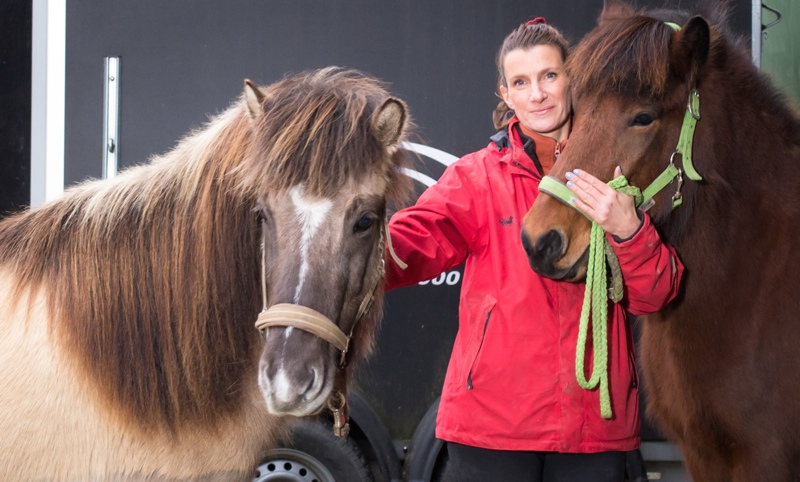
{"x": 651, "y": 270}
{"x": 434, "y": 235}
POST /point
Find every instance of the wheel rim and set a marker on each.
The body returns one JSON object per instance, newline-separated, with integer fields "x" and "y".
{"x": 289, "y": 465}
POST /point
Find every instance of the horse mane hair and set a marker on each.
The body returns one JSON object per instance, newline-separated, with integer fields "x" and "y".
{"x": 151, "y": 278}
{"x": 628, "y": 54}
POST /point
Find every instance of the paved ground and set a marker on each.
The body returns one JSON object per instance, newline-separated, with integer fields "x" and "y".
{"x": 667, "y": 472}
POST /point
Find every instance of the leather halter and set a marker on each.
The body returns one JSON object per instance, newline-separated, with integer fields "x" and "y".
{"x": 310, "y": 320}
{"x": 314, "y": 322}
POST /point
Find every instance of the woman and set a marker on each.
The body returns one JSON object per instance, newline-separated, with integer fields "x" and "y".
{"x": 511, "y": 408}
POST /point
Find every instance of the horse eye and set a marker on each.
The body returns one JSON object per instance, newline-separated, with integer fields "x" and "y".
{"x": 261, "y": 212}
{"x": 364, "y": 223}
{"x": 642, "y": 120}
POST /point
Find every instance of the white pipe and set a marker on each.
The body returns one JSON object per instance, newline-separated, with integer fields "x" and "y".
{"x": 48, "y": 80}
{"x": 755, "y": 33}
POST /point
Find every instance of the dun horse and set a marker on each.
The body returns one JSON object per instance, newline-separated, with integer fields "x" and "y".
{"x": 721, "y": 362}
{"x": 127, "y": 342}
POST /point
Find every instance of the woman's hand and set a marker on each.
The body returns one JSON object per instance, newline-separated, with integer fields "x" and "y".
{"x": 612, "y": 210}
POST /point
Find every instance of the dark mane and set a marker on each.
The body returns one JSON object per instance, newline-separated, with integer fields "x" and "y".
{"x": 628, "y": 53}
{"x": 623, "y": 57}
{"x": 153, "y": 275}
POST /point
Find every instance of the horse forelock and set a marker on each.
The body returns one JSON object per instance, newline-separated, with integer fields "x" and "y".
{"x": 315, "y": 131}
{"x": 622, "y": 56}
{"x": 150, "y": 280}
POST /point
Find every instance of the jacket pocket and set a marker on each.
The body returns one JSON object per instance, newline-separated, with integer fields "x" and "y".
{"x": 473, "y": 365}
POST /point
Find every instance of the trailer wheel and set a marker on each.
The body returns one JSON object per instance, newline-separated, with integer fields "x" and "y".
{"x": 372, "y": 436}
{"x": 427, "y": 456}
{"x": 313, "y": 453}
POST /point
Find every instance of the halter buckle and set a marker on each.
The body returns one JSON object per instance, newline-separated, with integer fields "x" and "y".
{"x": 343, "y": 358}
{"x": 677, "y": 198}
{"x": 340, "y": 412}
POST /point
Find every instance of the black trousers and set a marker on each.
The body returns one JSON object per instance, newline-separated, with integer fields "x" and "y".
{"x": 472, "y": 464}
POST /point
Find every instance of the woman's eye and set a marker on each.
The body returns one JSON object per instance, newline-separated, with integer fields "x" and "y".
{"x": 364, "y": 223}
{"x": 642, "y": 120}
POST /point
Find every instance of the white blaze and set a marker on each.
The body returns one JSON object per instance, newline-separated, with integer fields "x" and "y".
{"x": 311, "y": 212}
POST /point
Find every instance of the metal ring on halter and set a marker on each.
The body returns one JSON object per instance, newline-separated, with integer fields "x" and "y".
{"x": 690, "y": 107}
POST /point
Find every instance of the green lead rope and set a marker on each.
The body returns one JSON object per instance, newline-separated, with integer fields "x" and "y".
{"x": 595, "y": 304}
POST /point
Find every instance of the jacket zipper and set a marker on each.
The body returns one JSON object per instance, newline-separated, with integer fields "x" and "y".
{"x": 480, "y": 347}
{"x": 535, "y": 174}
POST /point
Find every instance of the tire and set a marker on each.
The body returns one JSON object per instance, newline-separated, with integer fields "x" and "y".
{"x": 372, "y": 436}
{"x": 427, "y": 456}
{"x": 314, "y": 454}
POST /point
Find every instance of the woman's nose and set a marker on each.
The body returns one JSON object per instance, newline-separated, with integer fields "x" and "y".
{"x": 537, "y": 94}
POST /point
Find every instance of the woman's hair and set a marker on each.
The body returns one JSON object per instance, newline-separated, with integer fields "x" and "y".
{"x": 526, "y": 36}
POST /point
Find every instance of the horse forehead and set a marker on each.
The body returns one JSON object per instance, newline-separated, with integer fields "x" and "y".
{"x": 311, "y": 210}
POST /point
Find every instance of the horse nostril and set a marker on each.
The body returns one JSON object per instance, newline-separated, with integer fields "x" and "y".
{"x": 551, "y": 245}
{"x": 547, "y": 248}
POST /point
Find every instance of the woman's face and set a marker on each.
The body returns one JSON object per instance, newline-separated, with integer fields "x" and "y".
{"x": 537, "y": 90}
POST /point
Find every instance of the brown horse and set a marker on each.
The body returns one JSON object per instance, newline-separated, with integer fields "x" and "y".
{"x": 127, "y": 345}
{"x": 721, "y": 361}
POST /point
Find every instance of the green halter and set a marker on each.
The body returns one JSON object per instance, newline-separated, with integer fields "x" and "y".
{"x": 594, "y": 299}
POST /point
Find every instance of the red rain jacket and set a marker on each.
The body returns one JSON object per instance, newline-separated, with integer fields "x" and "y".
{"x": 510, "y": 383}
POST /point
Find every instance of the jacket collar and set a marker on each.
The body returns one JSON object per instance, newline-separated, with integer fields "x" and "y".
{"x": 518, "y": 151}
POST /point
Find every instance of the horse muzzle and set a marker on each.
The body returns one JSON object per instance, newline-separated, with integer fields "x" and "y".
{"x": 293, "y": 380}
{"x": 547, "y": 255}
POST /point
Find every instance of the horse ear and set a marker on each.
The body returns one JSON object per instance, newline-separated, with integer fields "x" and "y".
{"x": 388, "y": 122}
{"x": 253, "y": 98}
{"x": 615, "y": 10}
{"x": 690, "y": 47}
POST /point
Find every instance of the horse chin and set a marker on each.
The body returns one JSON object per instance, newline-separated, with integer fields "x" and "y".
{"x": 303, "y": 409}
{"x": 573, "y": 273}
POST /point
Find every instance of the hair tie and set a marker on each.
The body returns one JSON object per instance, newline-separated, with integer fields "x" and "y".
{"x": 536, "y": 21}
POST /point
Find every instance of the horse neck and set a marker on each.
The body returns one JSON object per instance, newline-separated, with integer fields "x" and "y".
{"x": 157, "y": 276}
{"x": 747, "y": 148}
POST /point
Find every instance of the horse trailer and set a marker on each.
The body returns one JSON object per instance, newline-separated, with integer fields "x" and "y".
{"x": 100, "y": 85}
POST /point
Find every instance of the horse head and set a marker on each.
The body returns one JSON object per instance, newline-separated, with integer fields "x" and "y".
{"x": 328, "y": 147}
{"x": 632, "y": 78}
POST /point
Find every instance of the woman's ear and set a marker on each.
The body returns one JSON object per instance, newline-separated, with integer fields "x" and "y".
{"x": 504, "y": 95}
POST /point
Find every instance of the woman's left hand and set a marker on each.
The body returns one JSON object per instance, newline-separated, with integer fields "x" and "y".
{"x": 614, "y": 211}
